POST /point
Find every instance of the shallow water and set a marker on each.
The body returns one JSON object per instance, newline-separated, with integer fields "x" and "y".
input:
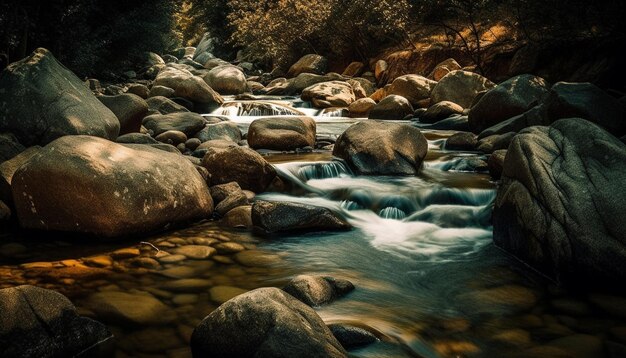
{"x": 429, "y": 282}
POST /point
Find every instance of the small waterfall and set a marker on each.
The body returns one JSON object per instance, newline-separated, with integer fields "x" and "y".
{"x": 323, "y": 170}
{"x": 391, "y": 212}
{"x": 350, "y": 205}
{"x": 256, "y": 109}
{"x": 335, "y": 112}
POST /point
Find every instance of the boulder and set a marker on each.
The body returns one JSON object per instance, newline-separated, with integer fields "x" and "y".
{"x": 161, "y": 91}
{"x": 266, "y": 322}
{"x": 139, "y": 90}
{"x": 508, "y": 99}
{"x": 585, "y": 100}
{"x": 414, "y": 88}
{"x": 310, "y": 63}
{"x": 129, "y": 110}
{"x": 361, "y": 107}
{"x": 298, "y": 84}
{"x": 461, "y": 141}
{"x": 241, "y": 165}
{"x": 495, "y": 142}
{"x": 136, "y": 138}
{"x": 354, "y": 69}
{"x": 222, "y": 191}
{"x": 107, "y": 189}
{"x": 205, "y": 46}
{"x": 186, "y": 122}
{"x": 188, "y": 86}
{"x": 380, "y": 71}
{"x": 164, "y": 105}
{"x": 352, "y": 337}
{"x": 63, "y": 104}
{"x": 460, "y": 87}
{"x": 443, "y": 68}
{"x": 224, "y": 130}
{"x": 9, "y": 146}
{"x": 496, "y": 163}
{"x": 239, "y": 217}
{"x": 317, "y": 290}
{"x": 367, "y": 85}
{"x": 227, "y": 80}
{"x": 37, "y": 322}
{"x": 282, "y": 133}
{"x": 453, "y": 123}
{"x": 329, "y": 94}
{"x": 274, "y": 217}
{"x": 440, "y": 111}
{"x": 379, "y": 148}
{"x": 359, "y": 91}
{"x": 560, "y": 205}
{"x": 392, "y": 107}
{"x": 8, "y": 169}
{"x": 230, "y": 202}
{"x": 171, "y": 137}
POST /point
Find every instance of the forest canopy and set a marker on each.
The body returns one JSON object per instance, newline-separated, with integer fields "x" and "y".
{"x": 96, "y": 36}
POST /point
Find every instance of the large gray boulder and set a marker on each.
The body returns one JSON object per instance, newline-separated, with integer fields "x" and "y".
{"x": 274, "y": 217}
{"x": 241, "y": 165}
{"x": 224, "y": 130}
{"x": 379, "y": 148}
{"x": 266, "y": 322}
{"x": 460, "y": 87}
{"x": 91, "y": 185}
{"x": 308, "y": 64}
{"x": 561, "y": 204}
{"x": 329, "y": 94}
{"x": 298, "y": 84}
{"x": 414, "y": 88}
{"x": 186, "y": 85}
{"x": 508, "y": 99}
{"x": 282, "y": 133}
{"x": 36, "y": 322}
{"x": 227, "y": 80}
{"x": 42, "y": 100}
{"x": 392, "y": 107}
{"x": 186, "y": 122}
{"x": 129, "y": 110}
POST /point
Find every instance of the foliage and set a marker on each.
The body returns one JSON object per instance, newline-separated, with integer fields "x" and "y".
{"x": 91, "y": 37}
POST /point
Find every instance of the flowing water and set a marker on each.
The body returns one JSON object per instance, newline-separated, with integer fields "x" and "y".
{"x": 429, "y": 281}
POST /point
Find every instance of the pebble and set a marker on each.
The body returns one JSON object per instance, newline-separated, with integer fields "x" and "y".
{"x": 177, "y": 241}
{"x": 170, "y": 259}
{"x": 99, "y": 261}
{"x": 225, "y": 260}
{"x": 257, "y": 258}
{"x": 125, "y": 253}
{"x": 184, "y": 299}
{"x": 195, "y": 252}
{"x": 221, "y": 294}
{"x": 179, "y": 272}
{"x": 203, "y": 241}
{"x": 228, "y": 248}
{"x": 509, "y": 297}
{"x": 187, "y": 285}
{"x": 146, "y": 262}
{"x": 33, "y": 265}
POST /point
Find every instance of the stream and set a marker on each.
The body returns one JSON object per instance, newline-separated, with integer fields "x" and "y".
{"x": 429, "y": 281}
